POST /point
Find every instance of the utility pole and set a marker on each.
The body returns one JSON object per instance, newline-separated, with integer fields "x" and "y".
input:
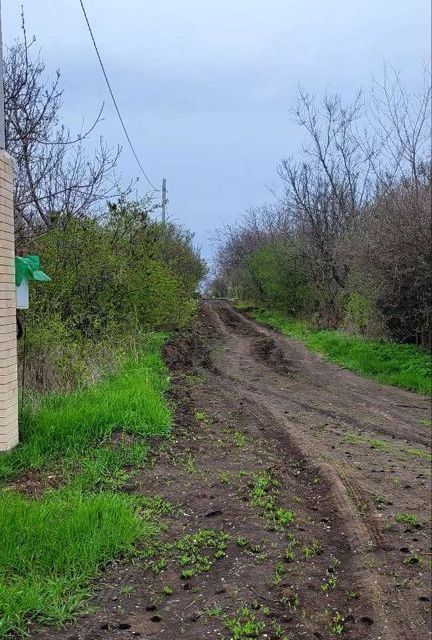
{"x": 164, "y": 200}
{"x": 8, "y": 337}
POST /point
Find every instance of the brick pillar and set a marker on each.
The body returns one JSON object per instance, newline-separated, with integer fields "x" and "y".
{"x": 8, "y": 346}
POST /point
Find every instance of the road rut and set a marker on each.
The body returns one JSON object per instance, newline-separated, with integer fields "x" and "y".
{"x": 305, "y": 468}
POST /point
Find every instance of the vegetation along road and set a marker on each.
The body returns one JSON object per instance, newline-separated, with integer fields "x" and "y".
{"x": 255, "y": 464}
{"x": 289, "y": 501}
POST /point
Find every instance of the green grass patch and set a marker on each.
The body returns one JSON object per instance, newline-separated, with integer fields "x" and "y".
{"x": 194, "y": 553}
{"x": 407, "y": 518}
{"x": 425, "y": 422}
{"x": 239, "y": 439}
{"x": 65, "y": 426}
{"x": 106, "y": 468}
{"x": 195, "y": 550}
{"x": 52, "y": 548}
{"x": 244, "y": 625}
{"x": 264, "y": 495}
{"x": 373, "y": 443}
{"x": 400, "y": 365}
{"x": 420, "y": 453}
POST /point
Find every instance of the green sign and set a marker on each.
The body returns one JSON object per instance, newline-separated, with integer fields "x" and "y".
{"x": 28, "y": 268}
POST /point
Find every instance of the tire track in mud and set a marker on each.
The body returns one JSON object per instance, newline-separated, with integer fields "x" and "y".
{"x": 348, "y": 390}
{"x": 361, "y": 533}
{"x": 364, "y": 532}
{"x": 357, "y": 536}
{"x": 246, "y": 411}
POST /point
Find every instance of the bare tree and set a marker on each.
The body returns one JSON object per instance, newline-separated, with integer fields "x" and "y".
{"x": 401, "y": 127}
{"x": 353, "y": 226}
{"x": 54, "y": 174}
{"x": 325, "y": 191}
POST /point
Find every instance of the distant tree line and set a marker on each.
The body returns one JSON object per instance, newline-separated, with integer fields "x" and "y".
{"x": 116, "y": 272}
{"x": 348, "y": 243}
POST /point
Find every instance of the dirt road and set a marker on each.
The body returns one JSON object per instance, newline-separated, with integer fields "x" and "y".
{"x": 314, "y": 482}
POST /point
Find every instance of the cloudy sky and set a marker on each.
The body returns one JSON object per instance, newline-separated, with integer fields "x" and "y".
{"x": 206, "y": 87}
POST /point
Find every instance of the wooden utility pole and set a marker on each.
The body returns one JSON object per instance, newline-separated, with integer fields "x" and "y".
{"x": 164, "y": 200}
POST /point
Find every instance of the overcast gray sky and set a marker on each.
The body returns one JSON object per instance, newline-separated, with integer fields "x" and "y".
{"x": 206, "y": 87}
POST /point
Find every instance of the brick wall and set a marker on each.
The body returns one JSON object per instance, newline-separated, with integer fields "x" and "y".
{"x": 8, "y": 347}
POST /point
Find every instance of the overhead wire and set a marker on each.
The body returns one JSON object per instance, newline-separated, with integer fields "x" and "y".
{"x": 117, "y": 108}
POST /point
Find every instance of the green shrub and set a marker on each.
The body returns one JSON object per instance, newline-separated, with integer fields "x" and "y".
{"x": 358, "y": 312}
{"x": 272, "y": 277}
{"x": 111, "y": 279}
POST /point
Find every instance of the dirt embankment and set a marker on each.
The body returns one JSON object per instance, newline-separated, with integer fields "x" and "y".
{"x": 301, "y": 501}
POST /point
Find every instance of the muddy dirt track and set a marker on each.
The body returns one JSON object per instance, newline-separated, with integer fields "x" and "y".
{"x": 302, "y": 471}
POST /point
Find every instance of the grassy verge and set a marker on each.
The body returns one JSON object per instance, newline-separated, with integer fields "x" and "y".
{"x": 52, "y": 547}
{"x": 400, "y": 365}
{"x": 65, "y": 426}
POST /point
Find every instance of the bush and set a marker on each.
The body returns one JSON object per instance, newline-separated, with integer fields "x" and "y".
{"x": 273, "y": 277}
{"x": 112, "y": 279}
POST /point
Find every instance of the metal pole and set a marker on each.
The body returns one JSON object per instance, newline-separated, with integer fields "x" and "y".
{"x": 164, "y": 201}
{"x": 2, "y": 109}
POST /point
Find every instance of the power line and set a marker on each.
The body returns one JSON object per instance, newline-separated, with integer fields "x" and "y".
{"x": 113, "y": 97}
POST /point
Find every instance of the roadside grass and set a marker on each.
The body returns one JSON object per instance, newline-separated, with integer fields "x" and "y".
{"x": 65, "y": 426}
{"x": 400, "y": 365}
{"x": 52, "y": 547}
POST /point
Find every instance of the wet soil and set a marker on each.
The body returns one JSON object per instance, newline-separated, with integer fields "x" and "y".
{"x": 303, "y": 470}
